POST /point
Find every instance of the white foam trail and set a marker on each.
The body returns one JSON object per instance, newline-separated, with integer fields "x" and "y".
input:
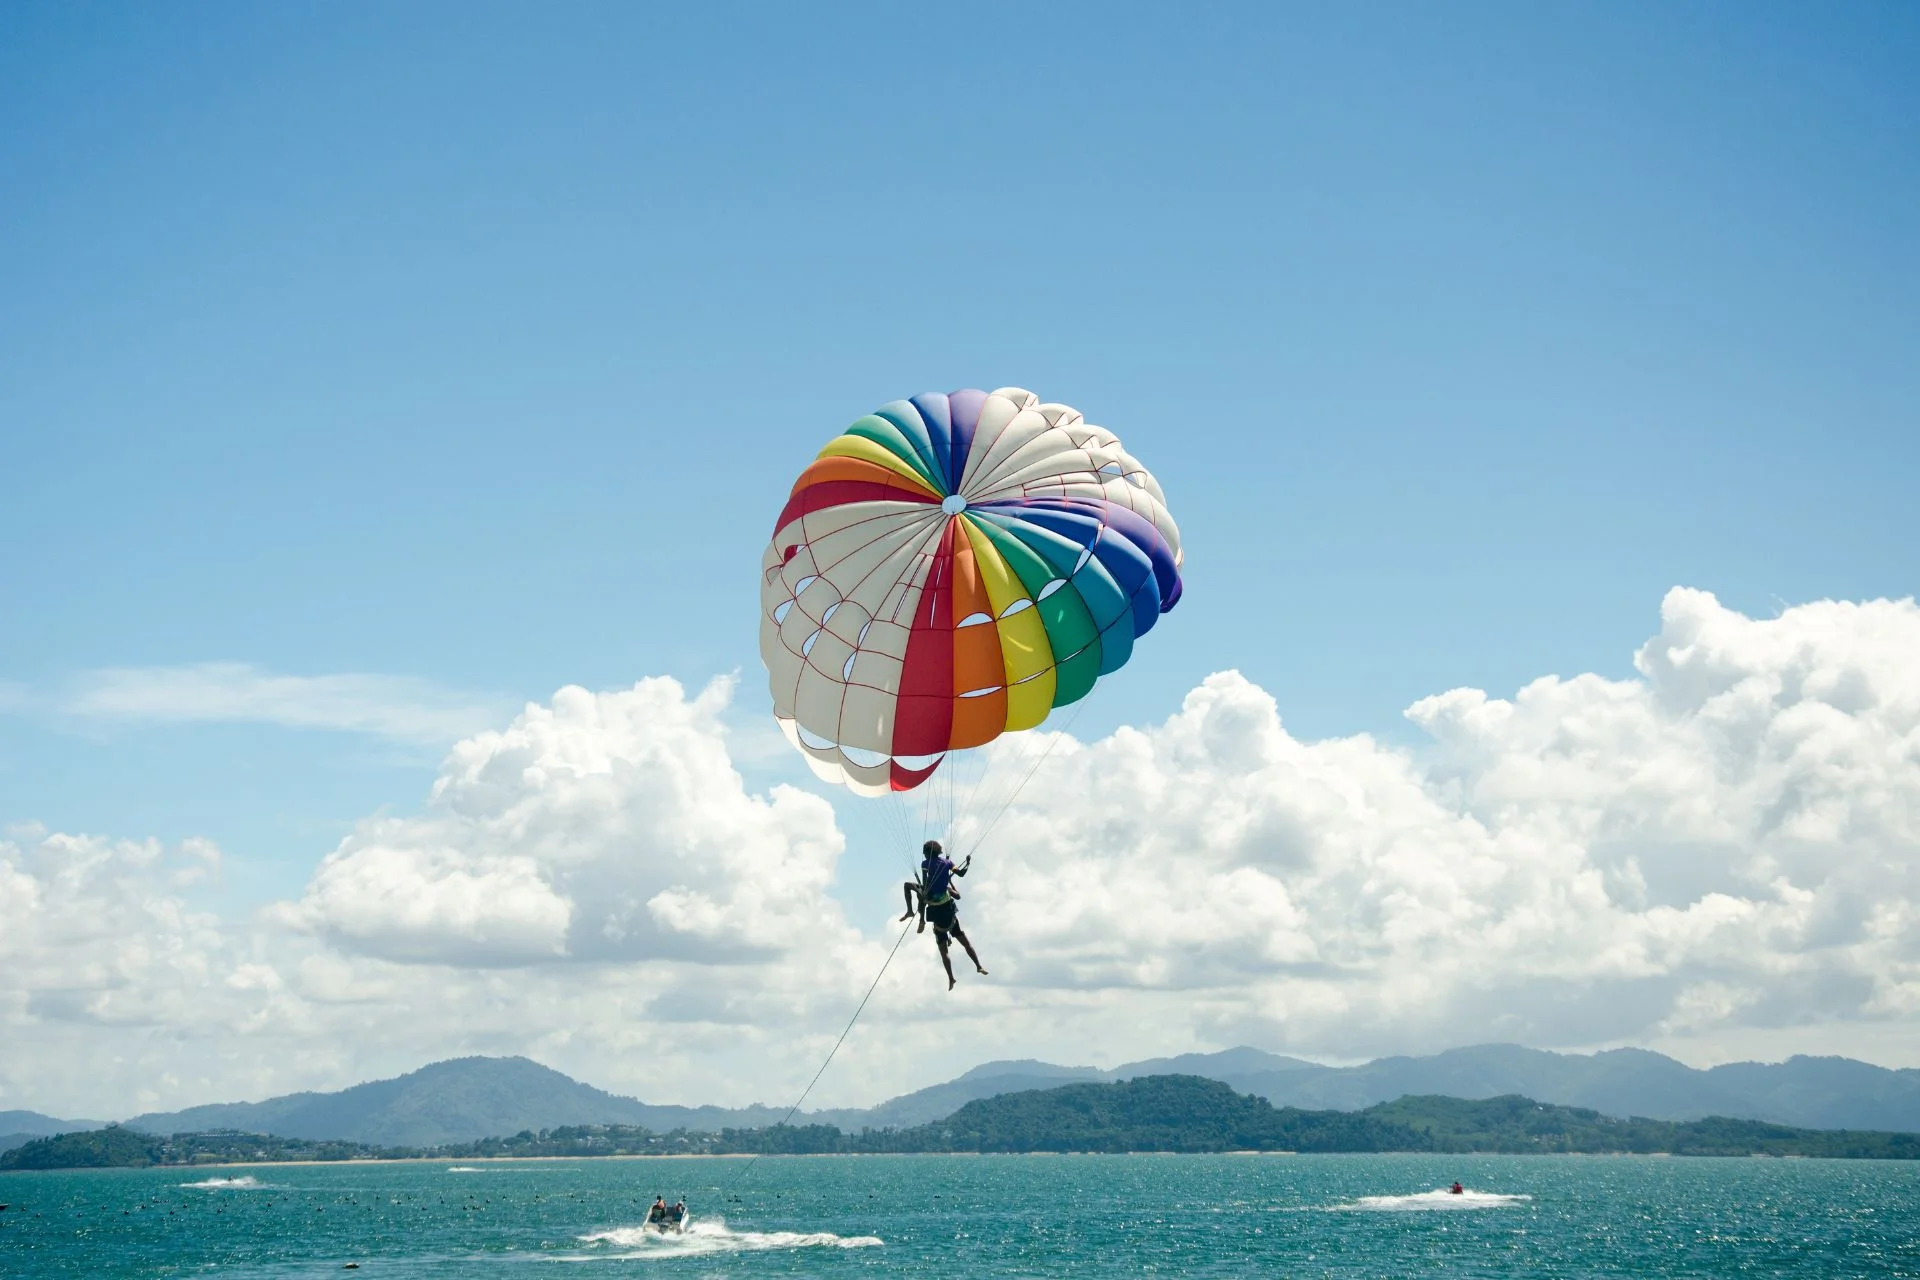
{"x": 1440, "y": 1198}
{"x": 227, "y": 1184}
{"x": 464, "y": 1168}
{"x": 712, "y": 1235}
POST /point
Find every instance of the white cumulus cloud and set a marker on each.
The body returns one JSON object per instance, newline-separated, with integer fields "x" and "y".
{"x": 604, "y": 827}
{"x": 96, "y": 932}
{"x": 1729, "y": 841}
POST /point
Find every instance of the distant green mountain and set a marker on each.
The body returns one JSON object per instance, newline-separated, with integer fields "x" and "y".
{"x": 939, "y": 1100}
{"x": 1823, "y": 1093}
{"x": 1148, "y": 1113}
{"x": 1242, "y": 1061}
{"x": 40, "y": 1126}
{"x": 20, "y": 1127}
{"x": 1816, "y": 1093}
{"x": 991, "y": 1079}
{"x": 459, "y": 1100}
{"x": 1192, "y": 1114}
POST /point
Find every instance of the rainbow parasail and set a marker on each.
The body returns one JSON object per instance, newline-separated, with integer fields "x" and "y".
{"x": 951, "y": 568}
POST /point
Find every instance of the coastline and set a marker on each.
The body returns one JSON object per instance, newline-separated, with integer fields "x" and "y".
{"x": 453, "y": 1161}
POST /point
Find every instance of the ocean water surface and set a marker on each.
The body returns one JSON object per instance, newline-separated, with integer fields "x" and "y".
{"x": 965, "y": 1216}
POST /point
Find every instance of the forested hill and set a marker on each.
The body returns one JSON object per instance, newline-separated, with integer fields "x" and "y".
{"x": 1188, "y": 1113}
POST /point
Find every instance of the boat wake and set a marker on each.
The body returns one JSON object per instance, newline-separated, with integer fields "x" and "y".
{"x": 712, "y": 1235}
{"x": 227, "y": 1184}
{"x": 1440, "y": 1198}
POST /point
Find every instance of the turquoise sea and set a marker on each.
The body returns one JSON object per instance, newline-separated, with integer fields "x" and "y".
{"x": 965, "y": 1216}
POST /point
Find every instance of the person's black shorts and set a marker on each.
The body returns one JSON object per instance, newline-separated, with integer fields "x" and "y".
{"x": 944, "y": 916}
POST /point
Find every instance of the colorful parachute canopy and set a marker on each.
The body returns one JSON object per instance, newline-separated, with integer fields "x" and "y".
{"x": 952, "y": 568}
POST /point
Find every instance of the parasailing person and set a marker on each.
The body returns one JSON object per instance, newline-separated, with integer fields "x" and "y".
{"x": 938, "y": 904}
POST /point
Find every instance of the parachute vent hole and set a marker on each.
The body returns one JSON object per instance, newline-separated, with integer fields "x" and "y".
{"x": 781, "y": 610}
{"x": 862, "y": 637}
{"x": 1081, "y": 563}
{"x": 974, "y": 620}
{"x": 1112, "y": 469}
{"x": 1052, "y": 587}
{"x": 806, "y": 646}
{"x": 827, "y": 616}
{"x": 789, "y": 553}
{"x": 981, "y": 693}
{"x": 1035, "y": 676}
{"x": 1022, "y": 603}
{"x": 1137, "y": 479}
{"x": 804, "y": 583}
{"x": 846, "y": 670}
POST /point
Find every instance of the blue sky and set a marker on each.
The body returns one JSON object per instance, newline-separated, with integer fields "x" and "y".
{"x": 474, "y": 345}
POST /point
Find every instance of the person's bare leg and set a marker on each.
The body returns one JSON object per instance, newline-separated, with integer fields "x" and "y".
{"x": 946, "y": 961}
{"x": 961, "y": 934}
{"x": 906, "y": 892}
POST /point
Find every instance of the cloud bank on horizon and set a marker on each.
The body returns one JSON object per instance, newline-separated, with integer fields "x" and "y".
{"x": 1720, "y": 855}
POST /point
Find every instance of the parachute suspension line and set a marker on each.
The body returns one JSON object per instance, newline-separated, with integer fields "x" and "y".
{"x": 894, "y": 806}
{"x": 1053, "y": 740}
{"x": 844, "y": 1033}
{"x": 930, "y": 808}
{"x": 946, "y": 825}
{"x": 1008, "y": 766}
{"x": 992, "y": 757}
{"x": 994, "y": 761}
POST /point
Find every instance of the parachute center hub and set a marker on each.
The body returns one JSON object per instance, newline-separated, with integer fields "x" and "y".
{"x": 953, "y": 504}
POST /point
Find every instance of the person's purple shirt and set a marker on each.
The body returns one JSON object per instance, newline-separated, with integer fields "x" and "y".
{"x": 936, "y": 876}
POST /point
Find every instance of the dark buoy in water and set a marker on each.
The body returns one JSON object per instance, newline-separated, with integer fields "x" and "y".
{"x": 351, "y": 1266}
